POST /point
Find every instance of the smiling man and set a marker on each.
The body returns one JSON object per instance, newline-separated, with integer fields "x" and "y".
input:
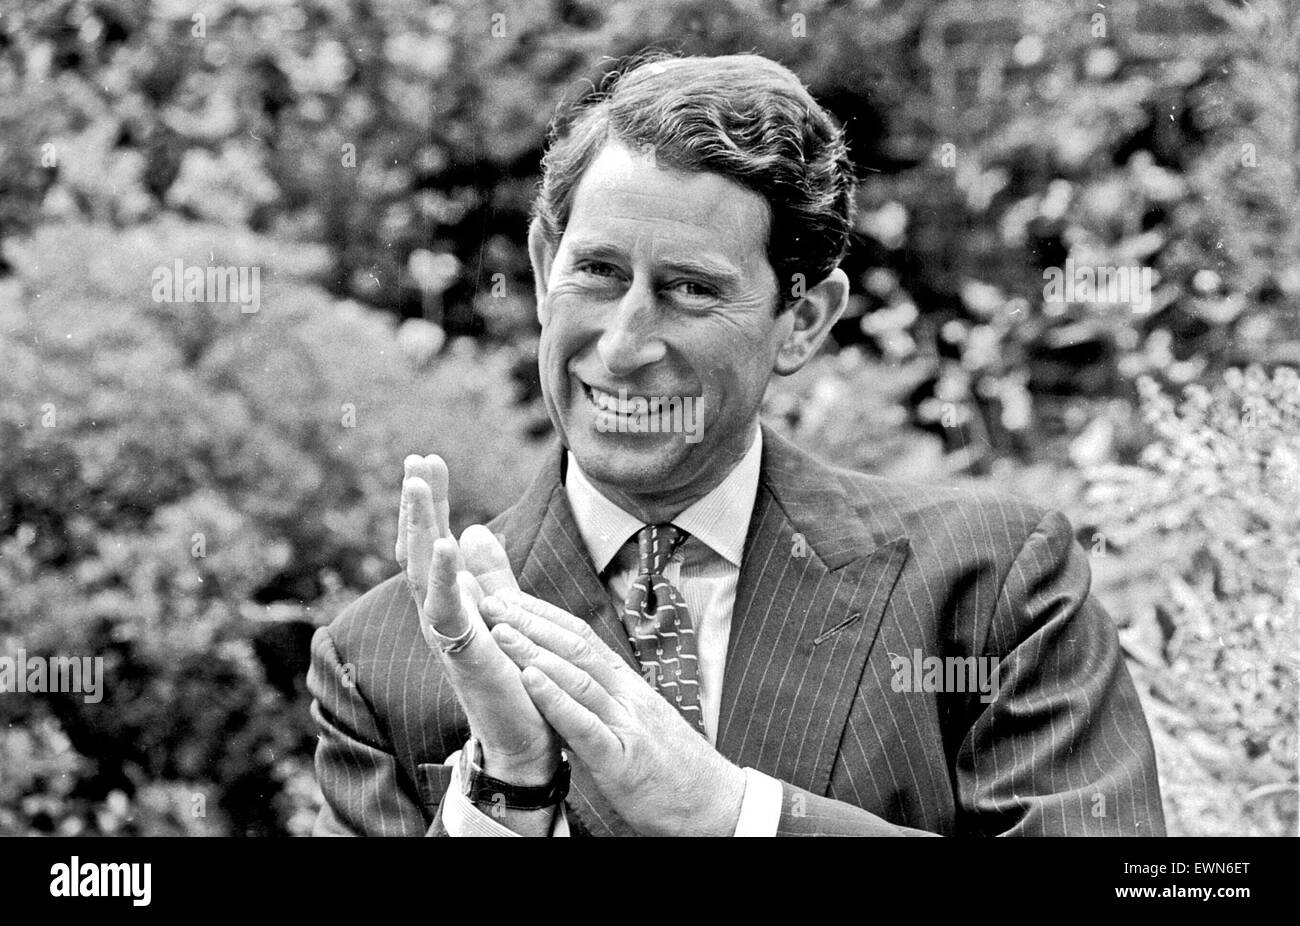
{"x": 693, "y": 631}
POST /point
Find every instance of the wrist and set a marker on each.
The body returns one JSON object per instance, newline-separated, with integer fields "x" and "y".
{"x": 493, "y": 806}
{"x": 530, "y": 785}
{"x": 527, "y": 773}
{"x": 727, "y": 802}
{"x": 480, "y": 773}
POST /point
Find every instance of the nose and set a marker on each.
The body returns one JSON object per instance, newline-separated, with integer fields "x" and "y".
{"x": 630, "y": 340}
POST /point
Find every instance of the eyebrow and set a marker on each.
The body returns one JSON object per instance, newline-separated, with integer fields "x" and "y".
{"x": 722, "y": 273}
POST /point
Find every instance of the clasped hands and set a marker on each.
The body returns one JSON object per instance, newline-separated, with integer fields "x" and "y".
{"x": 531, "y": 676}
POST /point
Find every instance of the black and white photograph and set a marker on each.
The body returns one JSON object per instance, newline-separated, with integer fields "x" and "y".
{"x": 650, "y": 418}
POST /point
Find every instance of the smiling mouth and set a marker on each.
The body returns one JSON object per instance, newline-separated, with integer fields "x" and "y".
{"x": 624, "y": 413}
{"x": 610, "y": 403}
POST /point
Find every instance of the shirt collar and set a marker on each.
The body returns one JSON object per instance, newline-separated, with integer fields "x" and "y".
{"x": 719, "y": 520}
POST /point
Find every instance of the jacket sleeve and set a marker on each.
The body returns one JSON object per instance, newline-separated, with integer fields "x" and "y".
{"x": 1063, "y": 747}
{"x": 365, "y": 792}
{"x": 806, "y": 814}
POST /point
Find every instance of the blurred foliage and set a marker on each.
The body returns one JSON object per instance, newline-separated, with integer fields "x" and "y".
{"x": 383, "y": 153}
{"x": 187, "y": 491}
{"x": 1208, "y": 522}
{"x": 995, "y": 140}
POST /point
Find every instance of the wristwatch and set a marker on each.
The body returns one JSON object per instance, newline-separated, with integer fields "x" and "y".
{"x": 482, "y": 788}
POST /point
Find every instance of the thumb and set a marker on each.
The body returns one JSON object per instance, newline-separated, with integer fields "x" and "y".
{"x": 486, "y": 560}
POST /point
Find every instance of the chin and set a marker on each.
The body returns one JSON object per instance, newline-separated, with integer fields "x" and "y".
{"x": 635, "y": 463}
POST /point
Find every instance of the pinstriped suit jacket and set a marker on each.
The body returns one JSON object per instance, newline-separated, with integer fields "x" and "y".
{"x": 840, "y": 570}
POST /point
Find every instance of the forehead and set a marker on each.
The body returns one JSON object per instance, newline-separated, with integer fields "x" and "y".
{"x": 625, "y": 200}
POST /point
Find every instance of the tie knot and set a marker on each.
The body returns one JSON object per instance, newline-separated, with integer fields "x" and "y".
{"x": 655, "y": 544}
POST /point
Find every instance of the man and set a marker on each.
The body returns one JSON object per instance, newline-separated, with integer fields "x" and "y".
{"x": 700, "y": 629}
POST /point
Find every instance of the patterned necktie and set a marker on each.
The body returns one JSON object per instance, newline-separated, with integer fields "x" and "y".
{"x": 659, "y": 625}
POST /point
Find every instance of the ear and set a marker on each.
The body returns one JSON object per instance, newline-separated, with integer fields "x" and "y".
{"x": 541, "y": 256}
{"x": 811, "y": 319}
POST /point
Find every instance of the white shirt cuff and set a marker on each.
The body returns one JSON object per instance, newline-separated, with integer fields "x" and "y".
{"x": 760, "y": 808}
{"x": 461, "y": 818}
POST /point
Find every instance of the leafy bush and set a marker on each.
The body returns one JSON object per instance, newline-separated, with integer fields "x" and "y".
{"x": 1208, "y": 523}
{"x": 187, "y": 491}
{"x": 994, "y": 140}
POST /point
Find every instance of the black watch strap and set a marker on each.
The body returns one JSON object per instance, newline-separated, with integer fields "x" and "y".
{"x": 482, "y": 788}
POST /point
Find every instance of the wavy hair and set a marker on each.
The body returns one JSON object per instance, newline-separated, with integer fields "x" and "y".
{"x": 745, "y": 117}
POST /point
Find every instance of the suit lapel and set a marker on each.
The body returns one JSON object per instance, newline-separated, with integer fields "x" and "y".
{"x": 813, "y": 587}
{"x": 548, "y": 555}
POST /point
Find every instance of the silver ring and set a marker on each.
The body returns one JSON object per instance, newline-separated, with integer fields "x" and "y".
{"x": 450, "y": 646}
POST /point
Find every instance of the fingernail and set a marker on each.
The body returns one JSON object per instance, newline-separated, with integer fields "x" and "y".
{"x": 491, "y": 607}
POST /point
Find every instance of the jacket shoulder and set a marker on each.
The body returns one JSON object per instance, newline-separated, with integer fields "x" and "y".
{"x": 960, "y": 521}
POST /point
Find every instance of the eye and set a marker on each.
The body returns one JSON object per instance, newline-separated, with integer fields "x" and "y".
{"x": 596, "y": 268}
{"x": 693, "y": 290}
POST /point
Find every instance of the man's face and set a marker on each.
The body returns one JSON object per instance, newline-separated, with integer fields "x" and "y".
{"x": 660, "y": 287}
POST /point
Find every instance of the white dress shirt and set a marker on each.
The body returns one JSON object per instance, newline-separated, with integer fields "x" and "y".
{"x": 705, "y": 569}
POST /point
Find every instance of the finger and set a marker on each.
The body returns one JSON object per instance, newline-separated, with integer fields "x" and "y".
{"x": 595, "y": 744}
{"x": 580, "y": 646}
{"x": 413, "y": 465}
{"x": 495, "y": 606}
{"x": 481, "y": 668}
{"x": 470, "y": 593}
{"x": 559, "y": 616}
{"x": 419, "y": 534}
{"x": 573, "y": 681}
{"x": 399, "y": 550}
{"x": 416, "y": 465}
{"x": 439, "y": 480}
{"x": 444, "y": 604}
{"x": 486, "y": 560}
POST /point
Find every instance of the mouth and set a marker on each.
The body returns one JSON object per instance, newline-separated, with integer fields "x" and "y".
{"x": 623, "y": 412}
{"x": 604, "y": 401}
{"x": 614, "y": 413}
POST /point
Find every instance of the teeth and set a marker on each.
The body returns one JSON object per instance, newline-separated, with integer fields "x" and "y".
{"x": 607, "y": 401}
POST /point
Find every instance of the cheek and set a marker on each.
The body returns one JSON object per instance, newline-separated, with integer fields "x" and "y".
{"x": 562, "y": 336}
{"x": 736, "y": 359}
{"x": 729, "y": 381}
{"x": 550, "y": 356}
{"x": 573, "y": 319}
